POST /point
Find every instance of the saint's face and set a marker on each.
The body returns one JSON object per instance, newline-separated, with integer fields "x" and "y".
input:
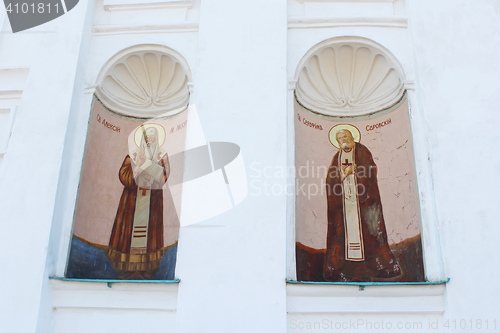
{"x": 345, "y": 140}
{"x": 150, "y": 139}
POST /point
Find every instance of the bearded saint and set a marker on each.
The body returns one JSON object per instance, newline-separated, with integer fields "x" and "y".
{"x": 136, "y": 242}
{"x": 357, "y": 247}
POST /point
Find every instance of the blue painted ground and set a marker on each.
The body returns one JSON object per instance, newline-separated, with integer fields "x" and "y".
{"x": 90, "y": 262}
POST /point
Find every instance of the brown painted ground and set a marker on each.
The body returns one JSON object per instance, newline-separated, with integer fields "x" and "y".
{"x": 408, "y": 253}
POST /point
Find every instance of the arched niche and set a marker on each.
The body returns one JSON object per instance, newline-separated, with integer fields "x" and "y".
{"x": 349, "y": 77}
{"x": 145, "y": 81}
{"x": 357, "y": 214}
{"x": 126, "y": 221}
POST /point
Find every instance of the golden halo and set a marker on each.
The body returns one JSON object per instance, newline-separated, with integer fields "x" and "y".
{"x": 144, "y": 127}
{"x": 333, "y": 133}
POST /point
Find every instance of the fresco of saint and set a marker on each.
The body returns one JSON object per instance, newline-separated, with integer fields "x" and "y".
{"x": 136, "y": 243}
{"x": 357, "y": 248}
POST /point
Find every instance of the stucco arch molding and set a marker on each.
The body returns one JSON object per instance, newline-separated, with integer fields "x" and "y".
{"x": 145, "y": 81}
{"x": 349, "y": 76}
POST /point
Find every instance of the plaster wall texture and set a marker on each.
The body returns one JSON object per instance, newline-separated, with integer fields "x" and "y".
{"x": 233, "y": 266}
{"x": 32, "y": 163}
{"x": 233, "y": 281}
{"x": 456, "y": 47}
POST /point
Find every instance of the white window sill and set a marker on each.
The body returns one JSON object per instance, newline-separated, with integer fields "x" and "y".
{"x": 158, "y": 295}
{"x": 366, "y": 297}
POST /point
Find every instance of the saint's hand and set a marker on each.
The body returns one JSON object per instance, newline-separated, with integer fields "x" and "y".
{"x": 141, "y": 159}
{"x": 149, "y": 178}
{"x": 350, "y": 169}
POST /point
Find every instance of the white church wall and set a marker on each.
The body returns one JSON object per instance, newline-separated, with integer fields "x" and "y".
{"x": 456, "y": 49}
{"x": 439, "y": 116}
{"x": 152, "y": 304}
{"x": 99, "y": 307}
{"x": 233, "y": 267}
{"x": 200, "y": 239}
{"x": 32, "y": 162}
{"x": 12, "y": 81}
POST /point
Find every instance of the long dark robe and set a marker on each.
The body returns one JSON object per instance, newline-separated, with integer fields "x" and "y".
{"x": 379, "y": 260}
{"x": 121, "y": 235}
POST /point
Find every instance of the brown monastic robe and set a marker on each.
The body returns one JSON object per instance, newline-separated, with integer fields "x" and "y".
{"x": 378, "y": 256}
{"x": 121, "y": 236}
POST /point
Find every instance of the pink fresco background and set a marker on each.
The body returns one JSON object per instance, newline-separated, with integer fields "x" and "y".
{"x": 392, "y": 150}
{"x": 100, "y": 188}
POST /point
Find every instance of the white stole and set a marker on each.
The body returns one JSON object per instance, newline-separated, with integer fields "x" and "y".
{"x": 354, "y": 248}
{"x": 140, "y": 226}
{"x": 141, "y": 216}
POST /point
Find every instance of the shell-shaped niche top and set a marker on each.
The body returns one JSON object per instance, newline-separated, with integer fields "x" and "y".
{"x": 349, "y": 78}
{"x": 145, "y": 84}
